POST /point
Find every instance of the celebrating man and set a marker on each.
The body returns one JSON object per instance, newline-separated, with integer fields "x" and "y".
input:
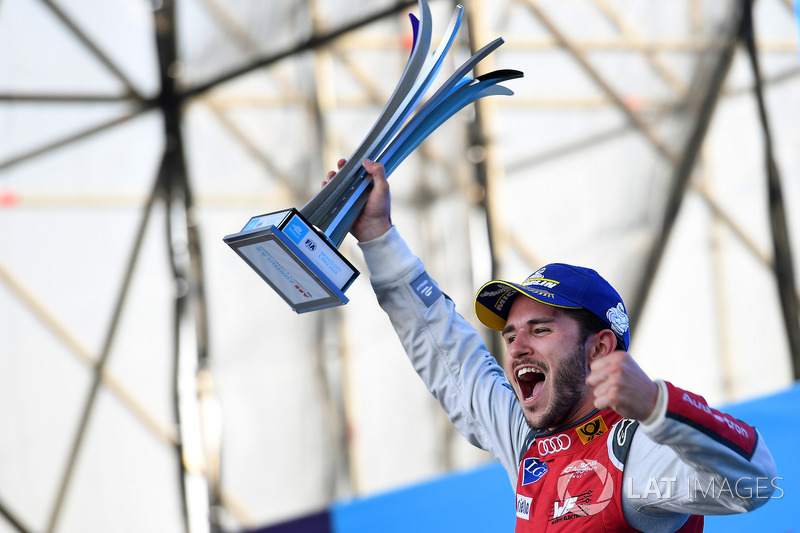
{"x": 589, "y": 441}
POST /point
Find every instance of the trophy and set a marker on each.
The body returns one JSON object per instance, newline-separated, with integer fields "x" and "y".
{"x": 296, "y": 251}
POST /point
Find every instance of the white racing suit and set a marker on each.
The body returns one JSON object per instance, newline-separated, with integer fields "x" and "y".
{"x": 686, "y": 459}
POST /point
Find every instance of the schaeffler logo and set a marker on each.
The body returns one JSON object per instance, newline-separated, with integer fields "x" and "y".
{"x": 553, "y": 444}
{"x": 584, "y": 488}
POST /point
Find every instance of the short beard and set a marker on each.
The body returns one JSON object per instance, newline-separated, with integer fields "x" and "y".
{"x": 568, "y": 388}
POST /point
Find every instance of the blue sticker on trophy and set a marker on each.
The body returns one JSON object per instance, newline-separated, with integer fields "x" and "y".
{"x": 272, "y": 219}
{"x": 296, "y": 230}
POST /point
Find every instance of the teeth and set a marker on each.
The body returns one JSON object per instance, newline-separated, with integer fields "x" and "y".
{"x": 528, "y": 370}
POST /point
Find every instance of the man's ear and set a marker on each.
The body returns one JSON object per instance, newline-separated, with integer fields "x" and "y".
{"x": 601, "y": 344}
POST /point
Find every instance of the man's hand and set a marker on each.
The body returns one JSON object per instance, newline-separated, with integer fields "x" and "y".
{"x": 375, "y": 219}
{"x": 620, "y": 384}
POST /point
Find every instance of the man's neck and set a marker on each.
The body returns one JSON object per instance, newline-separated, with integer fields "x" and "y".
{"x": 583, "y": 409}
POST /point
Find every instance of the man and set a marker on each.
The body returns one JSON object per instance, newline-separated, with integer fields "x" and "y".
{"x": 589, "y": 441}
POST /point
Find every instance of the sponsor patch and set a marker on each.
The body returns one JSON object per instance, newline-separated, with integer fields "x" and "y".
{"x": 558, "y": 443}
{"x": 426, "y": 289}
{"x": 620, "y": 441}
{"x": 591, "y": 429}
{"x": 524, "y": 507}
{"x": 532, "y": 470}
{"x": 625, "y": 425}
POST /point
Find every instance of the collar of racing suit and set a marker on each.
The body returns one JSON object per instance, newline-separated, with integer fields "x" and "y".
{"x": 565, "y": 440}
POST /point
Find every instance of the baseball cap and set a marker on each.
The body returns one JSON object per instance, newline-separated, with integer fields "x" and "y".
{"x": 557, "y": 285}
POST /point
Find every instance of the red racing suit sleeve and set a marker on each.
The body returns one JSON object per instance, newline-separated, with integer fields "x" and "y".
{"x": 689, "y": 458}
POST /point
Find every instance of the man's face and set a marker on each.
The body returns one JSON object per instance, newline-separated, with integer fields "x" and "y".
{"x": 545, "y": 362}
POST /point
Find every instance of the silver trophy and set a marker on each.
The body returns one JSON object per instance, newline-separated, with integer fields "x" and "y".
{"x": 296, "y": 251}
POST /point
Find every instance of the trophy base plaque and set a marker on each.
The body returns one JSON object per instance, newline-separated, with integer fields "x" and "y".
{"x": 295, "y": 259}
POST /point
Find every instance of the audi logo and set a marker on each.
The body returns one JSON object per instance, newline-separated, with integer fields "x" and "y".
{"x": 553, "y": 444}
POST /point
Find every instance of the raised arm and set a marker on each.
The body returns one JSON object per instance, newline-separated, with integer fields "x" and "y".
{"x": 444, "y": 349}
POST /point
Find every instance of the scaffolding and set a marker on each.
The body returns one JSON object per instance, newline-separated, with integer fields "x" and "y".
{"x": 650, "y": 141}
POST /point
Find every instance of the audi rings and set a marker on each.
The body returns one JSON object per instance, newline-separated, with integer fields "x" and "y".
{"x": 555, "y": 444}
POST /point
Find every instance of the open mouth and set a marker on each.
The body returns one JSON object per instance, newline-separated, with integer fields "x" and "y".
{"x": 531, "y": 382}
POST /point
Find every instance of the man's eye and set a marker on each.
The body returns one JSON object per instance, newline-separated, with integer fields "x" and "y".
{"x": 510, "y": 339}
{"x": 539, "y": 331}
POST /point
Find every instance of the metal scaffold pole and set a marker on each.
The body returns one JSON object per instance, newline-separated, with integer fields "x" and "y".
{"x": 196, "y": 415}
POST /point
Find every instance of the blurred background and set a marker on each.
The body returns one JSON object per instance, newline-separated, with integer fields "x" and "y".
{"x": 151, "y": 381}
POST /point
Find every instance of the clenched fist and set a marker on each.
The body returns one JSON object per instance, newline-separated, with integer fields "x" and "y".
{"x": 620, "y": 384}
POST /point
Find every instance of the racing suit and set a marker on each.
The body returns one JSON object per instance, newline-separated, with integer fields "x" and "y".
{"x": 604, "y": 472}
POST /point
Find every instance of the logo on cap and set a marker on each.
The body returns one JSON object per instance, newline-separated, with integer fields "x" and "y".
{"x": 618, "y": 319}
{"x": 539, "y": 273}
{"x": 537, "y": 279}
{"x": 539, "y": 282}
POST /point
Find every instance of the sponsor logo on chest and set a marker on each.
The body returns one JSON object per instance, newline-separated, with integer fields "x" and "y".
{"x": 532, "y": 470}
{"x": 524, "y": 507}
{"x": 551, "y": 445}
{"x": 591, "y": 429}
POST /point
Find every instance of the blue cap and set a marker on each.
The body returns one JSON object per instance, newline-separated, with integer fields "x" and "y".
{"x": 557, "y": 285}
